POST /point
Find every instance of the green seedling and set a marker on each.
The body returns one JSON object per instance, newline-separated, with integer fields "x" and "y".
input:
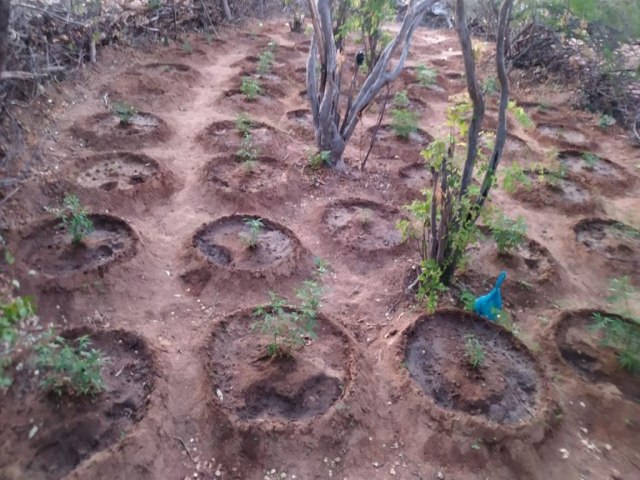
{"x": 400, "y": 99}
{"x": 426, "y": 76}
{"x": 404, "y": 122}
{"x": 250, "y": 88}
{"x": 319, "y": 159}
{"x": 255, "y": 227}
{"x": 243, "y": 124}
{"x": 70, "y": 369}
{"x": 468, "y": 300}
{"x": 606, "y": 121}
{"x": 187, "y": 48}
{"x": 75, "y": 219}
{"x": 265, "y": 62}
{"x": 125, "y": 112}
{"x": 474, "y": 352}
{"x": 247, "y": 151}
{"x": 507, "y": 233}
{"x": 590, "y": 159}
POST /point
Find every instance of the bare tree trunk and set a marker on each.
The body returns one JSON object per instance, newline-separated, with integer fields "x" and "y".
{"x": 5, "y": 10}
{"x": 227, "y": 10}
{"x": 334, "y": 125}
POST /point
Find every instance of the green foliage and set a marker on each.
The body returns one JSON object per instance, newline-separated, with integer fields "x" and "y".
{"x": 513, "y": 177}
{"x": 623, "y": 337}
{"x": 319, "y": 159}
{"x": 521, "y": 115}
{"x": 153, "y": 4}
{"x": 507, "y": 233}
{"x": 72, "y": 369}
{"x": 426, "y": 76}
{"x": 265, "y": 62}
{"x": 187, "y": 48}
{"x": 243, "y": 124}
{"x": 430, "y": 284}
{"x": 404, "y": 122}
{"x": 474, "y": 352}
{"x": 468, "y": 300}
{"x": 591, "y": 159}
{"x": 125, "y": 112}
{"x": 606, "y": 121}
{"x": 400, "y": 99}
{"x": 289, "y": 327}
{"x": 490, "y": 86}
{"x": 250, "y": 88}
{"x": 74, "y": 217}
{"x": 247, "y": 152}
{"x": 504, "y": 320}
{"x": 250, "y": 238}
{"x": 13, "y": 314}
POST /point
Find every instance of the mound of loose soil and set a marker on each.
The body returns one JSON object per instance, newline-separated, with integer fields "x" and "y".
{"x": 116, "y": 171}
{"x": 518, "y": 151}
{"x": 564, "y": 194}
{"x": 223, "y": 243}
{"x": 416, "y": 176}
{"x": 250, "y": 177}
{"x": 301, "y": 121}
{"x": 503, "y": 389}
{"x": 582, "y": 349}
{"x": 618, "y": 243}
{"x": 363, "y": 225}
{"x": 252, "y": 386}
{"x": 388, "y": 144}
{"x": 104, "y": 130}
{"x": 563, "y": 136}
{"x": 603, "y": 173}
{"x": 46, "y": 437}
{"x": 47, "y": 247}
{"x": 223, "y": 137}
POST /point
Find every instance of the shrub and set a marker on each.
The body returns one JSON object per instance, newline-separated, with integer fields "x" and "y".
{"x": 319, "y": 159}
{"x": 622, "y": 336}
{"x": 12, "y": 314}
{"x": 72, "y": 369}
{"x": 75, "y": 219}
{"x": 251, "y": 237}
{"x": 400, "y": 99}
{"x": 265, "y": 62}
{"x": 250, "y": 88}
{"x": 404, "y": 123}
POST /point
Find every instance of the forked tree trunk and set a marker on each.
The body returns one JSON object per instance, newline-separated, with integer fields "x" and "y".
{"x": 334, "y": 116}
{"x": 5, "y": 9}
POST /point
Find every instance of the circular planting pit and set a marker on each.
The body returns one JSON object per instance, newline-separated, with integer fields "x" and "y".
{"x": 252, "y": 386}
{"x": 226, "y": 242}
{"x": 232, "y": 175}
{"x": 548, "y": 190}
{"x": 363, "y": 225}
{"x": 116, "y": 171}
{"x": 594, "y": 170}
{"x": 49, "y": 249}
{"x": 616, "y": 242}
{"x": 389, "y": 144}
{"x": 224, "y": 137}
{"x": 505, "y": 386}
{"x": 582, "y": 349}
{"x": 46, "y": 437}
{"x": 416, "y": 176}
{"x": 105, "y": 130}
{"x": 565, "y": 137}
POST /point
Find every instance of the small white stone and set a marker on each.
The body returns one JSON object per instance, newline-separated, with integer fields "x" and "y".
{"x": 564, "y": 453}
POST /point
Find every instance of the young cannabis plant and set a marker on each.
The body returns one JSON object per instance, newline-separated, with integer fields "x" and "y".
{"x": 125, "y": 112}
{"x": 426, "y": 76}
{"x": 474, "y": 352}
{"x": 507, "y": 233}
{"x": 71, "y": 367}
{"x": 265, "y": 62}
{"x": 319, "y": 159}
{"x": 243, "y": 124}
{"x": 247, "y": 151}
{"x": 75, "y": 219}
{"x": 255, "y": 227}
{"x": 250, "y": 88}
{"x": 404, "y": 122}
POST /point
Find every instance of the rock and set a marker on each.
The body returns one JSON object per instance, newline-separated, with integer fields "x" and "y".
{"x": 615, "y": 474}
{"x": 440, "y": 476}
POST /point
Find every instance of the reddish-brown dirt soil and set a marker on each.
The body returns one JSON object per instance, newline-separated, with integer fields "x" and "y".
{"x": 346, "y": 407}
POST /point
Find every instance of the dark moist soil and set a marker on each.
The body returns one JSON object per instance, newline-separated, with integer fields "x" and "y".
{"x": 48, "y": 247}
{"x": 581, "y": 348}
{"x": 563, "y": 194}
{"x": 603, "y": 173}
{"x": 363, "y": 225}
{"x": 255, "y": 386}
{"x": 416, "y": 176}
{"x": 504, "y": 389}
{"x": 388, "y": 144}
{"x": 103, "y": 131}
{"x": 617, "y": 242}
{"x": 232, "y": 175}
{"x": 70, "y": 430}
{"x": 222, "y": 243}
{"x": 116, "y": 171}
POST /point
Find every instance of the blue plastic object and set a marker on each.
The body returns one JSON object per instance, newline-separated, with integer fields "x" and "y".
{"x": 490, "y": 304}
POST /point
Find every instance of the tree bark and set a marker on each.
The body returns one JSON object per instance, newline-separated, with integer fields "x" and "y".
{"x": 5, "y": 10}
{"x": 227, "y": 10}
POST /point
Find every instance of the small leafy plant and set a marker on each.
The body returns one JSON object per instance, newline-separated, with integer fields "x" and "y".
{"x": 187, "y": 48}
{"x": 590, "y": 159}
{"x": 265, "y": 62}
{"x": 426, "y": 76}
{"x": 319, "y": 159}
{"x": 247, "y": 151}
{"x": 71, "y": 367}
{"x": 401, "y": 99}
{"x": 606, "y": 121}
{"x": 474, "y": 352}
{"x": 12, "y": 314}
{"x": 125, "y": 112}
{"x": 75, "y": 219}
{"x": 255, "y": 227}
{"x": 243, "y": 124}
{"x": 250, "y": 88}
{"x": 507, "y": 233}
{"x": 513, "y": 177}
{"x": 288, "y": 327}
{"x": 490, "y": 86}
{"x": 404, "y": 122}
{"x": 468, "y": 300}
